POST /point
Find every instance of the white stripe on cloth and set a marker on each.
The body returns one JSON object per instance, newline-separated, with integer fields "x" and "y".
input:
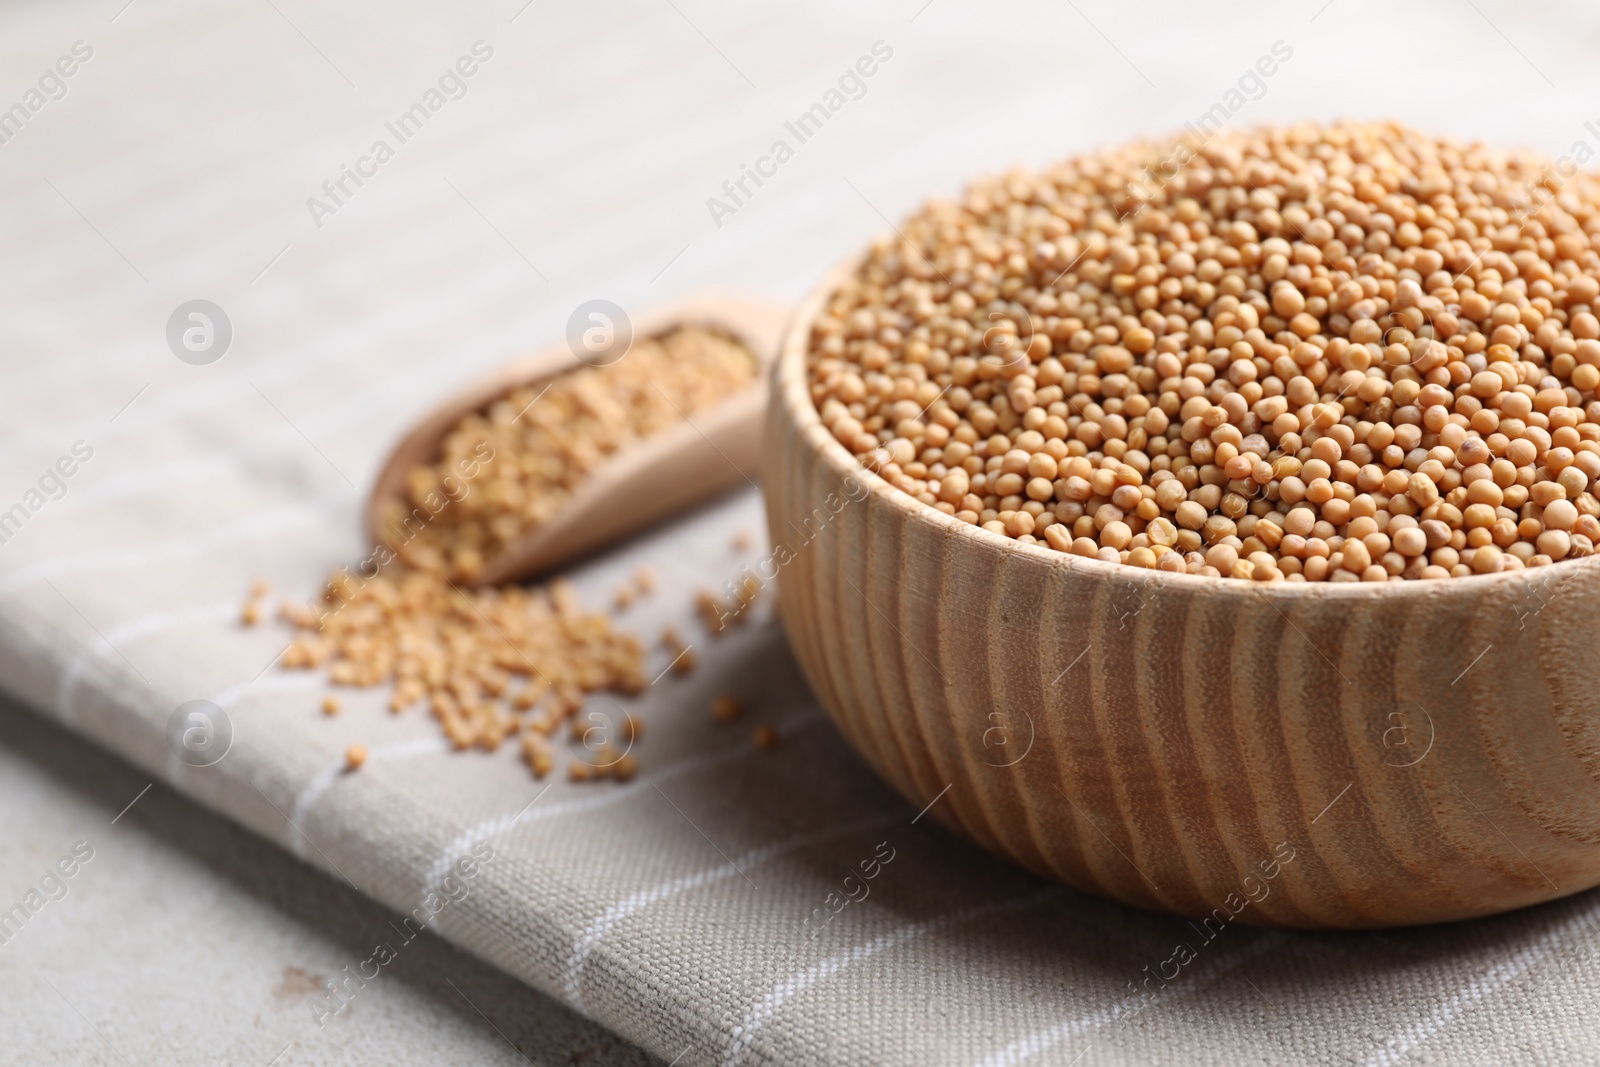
{"x": 1203, "y": 977}
{"x": 274, "y": 684}
{"x": 72, "y": 674}
{"x": 1518, "y": 962}
{"x": 500, "y": 823}
{"x": 247, "y": 528}
{"x": 324, "y": 779}
{"x": 744, "y": 1034}
{"x": 589, "y": 939}
{"x": 177, "y": 769}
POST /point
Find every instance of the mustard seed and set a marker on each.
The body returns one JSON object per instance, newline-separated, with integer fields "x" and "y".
{"x": 507, "y": 469}
{"x": 493, "y": 663}
{"x": 726, "y": 708}
{"x": 1315, "y": 353}
{"x": 537, "y": 752}
{"x": 644, "y": 579}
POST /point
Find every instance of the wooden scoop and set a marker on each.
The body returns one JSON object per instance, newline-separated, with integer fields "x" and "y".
{"x": 710, "y": 452}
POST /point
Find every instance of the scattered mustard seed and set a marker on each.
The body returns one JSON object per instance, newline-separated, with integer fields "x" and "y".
{"x": 461, "y": 651}
{"x": 645, "y": 579}
{"x": 529, "y": 695}
{"x": 766, "y": 737}
{"x": 719, "y": 613}
{"x": 250, "y": 614}
{"x": 1313, "y": 353}
{"x": 491, "y": 664}
{"x": 354, "y": 757}
{"x": 682, "y": 656}
{"x": 537, "y": 752}
{"x": 726, "y": 708}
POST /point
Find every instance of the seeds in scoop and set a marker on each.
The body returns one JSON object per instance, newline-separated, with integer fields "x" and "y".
{"x": 504, "y": 471}
{"x": 1284, "y": 361}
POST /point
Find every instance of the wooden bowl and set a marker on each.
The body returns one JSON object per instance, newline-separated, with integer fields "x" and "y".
{"x": 1310, "y": 755}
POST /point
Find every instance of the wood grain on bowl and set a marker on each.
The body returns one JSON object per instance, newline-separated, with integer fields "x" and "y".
{"x": 1292, "y": 754}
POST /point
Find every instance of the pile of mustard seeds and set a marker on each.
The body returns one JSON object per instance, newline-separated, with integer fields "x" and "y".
{"x": 1314, "y": 353}
{"x": 532, "y": 449}
{"x": 488, "y": 664}
{"x": 496, "y": 664}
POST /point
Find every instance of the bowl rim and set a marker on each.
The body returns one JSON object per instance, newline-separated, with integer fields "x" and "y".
{"x": 791, "y": 392}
